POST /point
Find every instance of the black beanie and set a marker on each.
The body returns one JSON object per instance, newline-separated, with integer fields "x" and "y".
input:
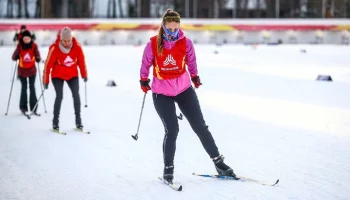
{"x": 26, "y": 33}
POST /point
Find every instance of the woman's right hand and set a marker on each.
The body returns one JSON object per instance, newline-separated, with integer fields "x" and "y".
{"x": 144, "y": 82}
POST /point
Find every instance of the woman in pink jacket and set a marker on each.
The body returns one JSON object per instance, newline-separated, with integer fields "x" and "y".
{"x": 169, "y": 52}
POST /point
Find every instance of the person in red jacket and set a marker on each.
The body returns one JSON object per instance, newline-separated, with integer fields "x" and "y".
{"x": 27, "y": 54}
{"x": 64, "y": 58}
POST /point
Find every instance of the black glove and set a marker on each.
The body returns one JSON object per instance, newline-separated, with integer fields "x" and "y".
{"x": 144, "y": 82}
{"x": 46, "y": 86}
{"x": 85, "y": 79}
{"x": 196, "y": 81}
{"x": 16, "y": 58}
{"x": 38, "y": 59}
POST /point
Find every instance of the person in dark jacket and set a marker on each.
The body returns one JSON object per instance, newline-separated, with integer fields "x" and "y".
{"x": 27, "y": 53}
{"x": 18, "y": 36}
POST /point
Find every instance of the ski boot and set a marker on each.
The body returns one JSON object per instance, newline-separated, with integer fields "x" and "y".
{"x": 36, "y": 113}
{"x": 55, "y": 126}
{"x": 222, "y": 168}
{"x": 24, "y": 111}
{"x": 80, "y": 126}
{"x": 168, "y": 174}
{"x": 78, "y": 123}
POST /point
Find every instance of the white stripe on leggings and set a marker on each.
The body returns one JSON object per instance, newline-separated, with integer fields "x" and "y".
{"x": 165, "y": 137}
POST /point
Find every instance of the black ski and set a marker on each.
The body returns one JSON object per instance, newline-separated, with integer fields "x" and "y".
{"x": 240, "y": 178}
{"x": 174, "y": 186}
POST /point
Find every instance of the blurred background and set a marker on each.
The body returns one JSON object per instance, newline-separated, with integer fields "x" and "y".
{"x": 113, "y": 22}
{"x": 187, "y": 8}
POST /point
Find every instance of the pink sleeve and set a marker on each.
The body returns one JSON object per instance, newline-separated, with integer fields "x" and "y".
{"x": 191, "y": 58}
{"x": 147, "y": 60}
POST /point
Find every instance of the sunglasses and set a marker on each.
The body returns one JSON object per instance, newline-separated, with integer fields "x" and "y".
{"x": 172, "y": 19}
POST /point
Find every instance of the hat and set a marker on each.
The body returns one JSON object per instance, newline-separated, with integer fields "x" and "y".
{"x": 23, "y": 27}
{"x": 66, "y": 33}
{"x": 26, "y": 33}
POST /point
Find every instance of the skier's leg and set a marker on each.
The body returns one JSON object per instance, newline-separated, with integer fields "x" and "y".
{"x": 32, "y": 97}
{"x": 189, "y": 105}
{"x": 165, "y": 107}
{"x": 74, "y": 87}
{"x": 23, "y": 102}
{"x": 58, "y": 85}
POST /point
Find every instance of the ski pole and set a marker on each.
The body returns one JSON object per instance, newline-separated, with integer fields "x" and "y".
{"x": 136, "y": 136}
{"x": 42, "y": 89}
{"x": 85, "y": 96}
{"x": 37, "y": 103}
{"x": 13, "y": 79}
{"x": 13, "y": 66}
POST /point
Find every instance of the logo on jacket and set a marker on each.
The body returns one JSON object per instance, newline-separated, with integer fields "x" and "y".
{"x": 68, "y": 62}
{"x": 169, "y": 60}
{"x": 26, "y": 58}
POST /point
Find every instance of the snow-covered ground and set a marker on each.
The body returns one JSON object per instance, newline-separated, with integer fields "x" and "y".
{"x": 268, "y": 114}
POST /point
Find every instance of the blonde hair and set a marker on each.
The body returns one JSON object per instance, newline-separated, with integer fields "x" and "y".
{"x": 168, "y": 16}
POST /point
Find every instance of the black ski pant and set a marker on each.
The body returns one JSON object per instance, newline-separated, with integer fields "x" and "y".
{"x": 189, "y": 106}
{"x": 73, "y": 84}
{"x": 23, "y": 102}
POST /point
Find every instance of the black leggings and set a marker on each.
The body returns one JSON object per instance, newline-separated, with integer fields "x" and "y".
{"x": 189, "y": 106}
{"x": 73, "y": 84}
{"x": 23, "y": 102}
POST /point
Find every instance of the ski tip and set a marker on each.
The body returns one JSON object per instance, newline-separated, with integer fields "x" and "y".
{"x": 81, "y": 130}
{"x": 278, "y": 180}
{"x": 174, "y": 186}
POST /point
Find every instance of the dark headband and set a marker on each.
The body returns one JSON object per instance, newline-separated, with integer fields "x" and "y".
{"x": 175, "y": 18}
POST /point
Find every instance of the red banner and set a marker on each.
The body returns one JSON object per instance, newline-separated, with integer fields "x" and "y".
{"x": 194, "y": 27}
